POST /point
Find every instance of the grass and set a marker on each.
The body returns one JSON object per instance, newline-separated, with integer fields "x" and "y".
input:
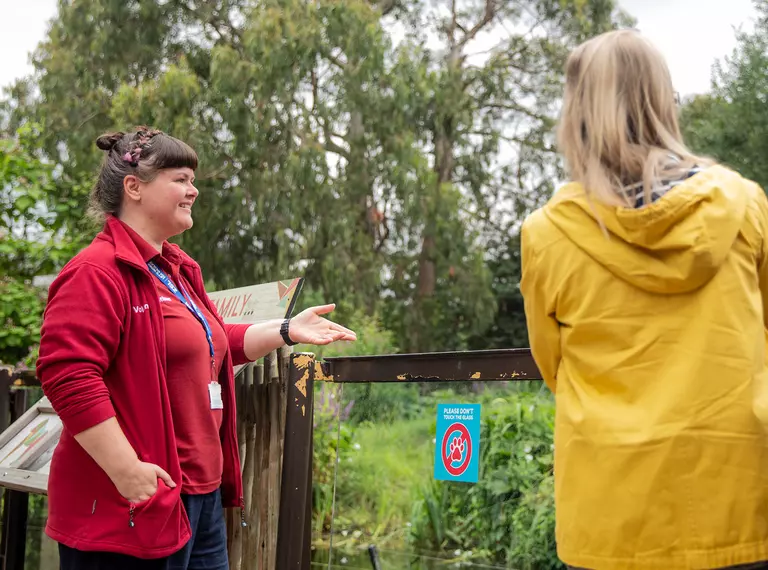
{"x": 379, "y": 477}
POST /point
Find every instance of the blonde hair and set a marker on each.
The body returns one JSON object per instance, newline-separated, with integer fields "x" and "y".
{"x": 619, "y": 122}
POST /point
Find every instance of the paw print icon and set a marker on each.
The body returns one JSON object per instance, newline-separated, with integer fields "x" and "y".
{"x": 457, "y": 449}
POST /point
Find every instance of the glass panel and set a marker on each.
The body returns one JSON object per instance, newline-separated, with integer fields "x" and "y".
{"x": 387, "y": 496}
{"x": 327, "y": 424}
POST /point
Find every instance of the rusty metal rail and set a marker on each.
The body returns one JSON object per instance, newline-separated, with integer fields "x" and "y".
{"x": 482, "y": 366}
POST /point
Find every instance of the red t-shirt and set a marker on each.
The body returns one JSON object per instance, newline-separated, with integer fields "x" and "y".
{"x": 188, "y": 366}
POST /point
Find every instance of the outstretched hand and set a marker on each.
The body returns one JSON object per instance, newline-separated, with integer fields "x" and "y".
{"x": 308, "y": 327}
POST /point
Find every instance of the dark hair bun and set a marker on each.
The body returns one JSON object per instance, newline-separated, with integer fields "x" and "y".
{"x": 108, "y": 141}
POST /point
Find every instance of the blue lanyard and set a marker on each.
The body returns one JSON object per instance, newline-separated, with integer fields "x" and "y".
{"x": 187, "y": 301}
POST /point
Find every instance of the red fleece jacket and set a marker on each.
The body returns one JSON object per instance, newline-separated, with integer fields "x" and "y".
{"x": 102, "y": 354}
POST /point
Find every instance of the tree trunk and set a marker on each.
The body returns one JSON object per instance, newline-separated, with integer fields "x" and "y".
{"x": 444, "y": 165}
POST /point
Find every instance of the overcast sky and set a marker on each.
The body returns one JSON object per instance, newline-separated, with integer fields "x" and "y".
{"x": 692, "y": 34}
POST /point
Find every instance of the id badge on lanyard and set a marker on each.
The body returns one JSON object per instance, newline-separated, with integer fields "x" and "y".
{"x": 214, "y": 394}
{"x": 214, "y": 388}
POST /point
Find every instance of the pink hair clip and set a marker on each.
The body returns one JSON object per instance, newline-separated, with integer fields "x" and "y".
{"x": 132, "y": 156}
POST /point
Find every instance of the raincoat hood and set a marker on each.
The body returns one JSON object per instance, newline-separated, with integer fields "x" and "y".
{"x": 674, "y": 245}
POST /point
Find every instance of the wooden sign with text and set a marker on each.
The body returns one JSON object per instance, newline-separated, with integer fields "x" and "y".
{"x": 257, "y": 303}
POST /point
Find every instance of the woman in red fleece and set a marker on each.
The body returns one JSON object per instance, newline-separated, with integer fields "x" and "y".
{"x": 138, "y": 365}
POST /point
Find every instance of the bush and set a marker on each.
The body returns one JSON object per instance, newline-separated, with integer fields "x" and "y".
{"x": 380, "y": 477}
{"x": 21, "y": 312}
{"x": 330, "y": 440}
{"x": 507, "y": 518}
{"x": 383, "y": 403}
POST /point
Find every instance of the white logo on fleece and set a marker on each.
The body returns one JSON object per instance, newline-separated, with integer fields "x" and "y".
{"x": 165, "y": 299}
{"x": 140, "y": 308}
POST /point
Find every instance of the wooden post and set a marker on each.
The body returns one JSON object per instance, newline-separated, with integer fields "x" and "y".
{"x": 16, "y": 505}
{"x": 15, "y": 513}
{"x": 253, "y": 377}
{"x": 278, "y": 397}
{"x": 6, "y": 378}
{"x": 294, "y": 536}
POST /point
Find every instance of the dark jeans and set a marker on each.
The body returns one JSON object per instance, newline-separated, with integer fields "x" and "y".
{"x": 206, "y": 550}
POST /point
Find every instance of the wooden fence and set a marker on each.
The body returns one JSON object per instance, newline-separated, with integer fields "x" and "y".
{"x": 261, "y": 405}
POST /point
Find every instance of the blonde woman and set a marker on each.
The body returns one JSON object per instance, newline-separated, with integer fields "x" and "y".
{"x": 645, "y": 281}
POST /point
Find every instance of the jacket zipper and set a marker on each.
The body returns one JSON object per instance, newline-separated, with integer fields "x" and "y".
{"x": 242, "y": 513}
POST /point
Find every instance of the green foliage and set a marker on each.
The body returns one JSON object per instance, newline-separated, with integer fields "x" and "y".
{"x": 475, "y": 108}
{"x": 331, "y": 439}
{"x": 377, "y": 164}
{"x": 330, "y": 436}
{"x": 509, "y": 327}
{"x": 730, "y": 123}
{"x": 21, "y": 312}
{"x": 383, "y": 403}
{"x": 33, "y": 241}
{"x": 372, "y": 337}
{"x": 34, "y": 216}
{"x": 385, "y": 492}
{"x": 508, "y": 517}
{"x": 379, "y": 477}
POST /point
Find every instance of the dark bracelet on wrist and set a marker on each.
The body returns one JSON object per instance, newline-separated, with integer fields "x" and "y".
{"x": 284, "y": 332}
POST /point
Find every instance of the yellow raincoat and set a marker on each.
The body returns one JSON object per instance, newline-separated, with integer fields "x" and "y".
{"x": 652, "y": 334}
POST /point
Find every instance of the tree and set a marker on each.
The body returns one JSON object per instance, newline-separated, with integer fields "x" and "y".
{"x": 730, "y": 123}
{"x": 486, "y": 125}
{"x": 508, "y": 329}
{"x": 31, "y": 240}
{"x": 268, "y": 103}
{"x": 379, "y": 163}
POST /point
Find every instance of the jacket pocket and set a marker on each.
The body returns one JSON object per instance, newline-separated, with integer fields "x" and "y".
{"x": 135, "y": 513}
{"x": 133, "y": 509}
{"x": 86, "y": 511}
